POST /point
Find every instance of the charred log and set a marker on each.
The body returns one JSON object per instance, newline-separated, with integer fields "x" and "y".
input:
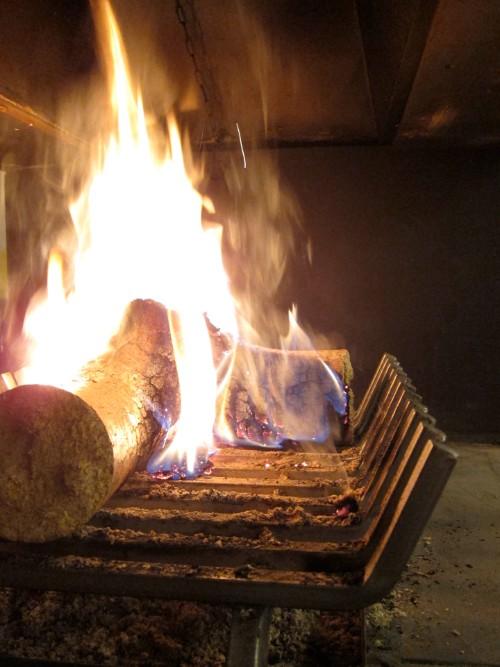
{"x": 63, "y": 454}
{"x": 277, "y": 395}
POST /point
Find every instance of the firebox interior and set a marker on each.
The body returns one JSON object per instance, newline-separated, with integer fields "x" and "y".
{"x": 384, "y": 118}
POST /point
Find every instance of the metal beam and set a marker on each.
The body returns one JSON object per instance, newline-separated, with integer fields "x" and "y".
{"x": 28, "y": 116}
{"x": 249, "y": 643}
{"x": 395, "y": 35}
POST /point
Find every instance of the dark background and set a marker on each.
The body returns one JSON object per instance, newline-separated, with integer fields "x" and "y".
{"x": 405, "y": 261}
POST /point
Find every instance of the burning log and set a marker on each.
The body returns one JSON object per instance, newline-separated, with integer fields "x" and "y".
{"x": 277, "y": 395}
{"x": 63, "y": 454}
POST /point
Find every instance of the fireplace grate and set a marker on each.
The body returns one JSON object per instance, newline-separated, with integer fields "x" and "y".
{"x": 264, "y": 529}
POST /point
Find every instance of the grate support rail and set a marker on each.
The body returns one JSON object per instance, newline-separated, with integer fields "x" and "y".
{"x": 262, "y": 531}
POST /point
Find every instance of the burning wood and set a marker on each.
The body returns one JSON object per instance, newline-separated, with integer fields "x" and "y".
{"x": 64, "y": 454}
{"x": 272, "y": 396}
{"x": 278, "y": 395}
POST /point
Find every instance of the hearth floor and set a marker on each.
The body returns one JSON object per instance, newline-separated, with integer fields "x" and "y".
{"x": 446, "y": 608}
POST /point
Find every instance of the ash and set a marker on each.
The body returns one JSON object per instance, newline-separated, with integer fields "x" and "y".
{"x": 100, "y": 630}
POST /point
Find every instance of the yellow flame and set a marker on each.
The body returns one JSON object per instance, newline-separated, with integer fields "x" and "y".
{"x": 48, "y": 358}
{"x": 138, "y": 222}
{"x": 139, "y": 232}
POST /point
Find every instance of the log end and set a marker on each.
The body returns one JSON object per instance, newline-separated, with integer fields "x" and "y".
{"x": 57, "y": 463}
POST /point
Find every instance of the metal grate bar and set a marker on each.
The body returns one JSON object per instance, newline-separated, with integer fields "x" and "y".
{"x": 262, "y": 529}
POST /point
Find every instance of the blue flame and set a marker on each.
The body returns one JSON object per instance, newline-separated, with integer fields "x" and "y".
{"x": 294, "y": 399}
{"x": 287, "y": 400}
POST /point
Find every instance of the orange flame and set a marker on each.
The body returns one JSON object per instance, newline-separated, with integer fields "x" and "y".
{"x": 138, "y": 225}
{"x": 138, "y": 222}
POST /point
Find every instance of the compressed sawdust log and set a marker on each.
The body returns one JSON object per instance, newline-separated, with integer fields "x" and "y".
{"x": 63, "y": 454}
{"x": 277, "y": 395}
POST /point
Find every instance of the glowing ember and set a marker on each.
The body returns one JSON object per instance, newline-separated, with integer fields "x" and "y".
{"x": 167, "y": 464}
{"x": 346, "y": 506}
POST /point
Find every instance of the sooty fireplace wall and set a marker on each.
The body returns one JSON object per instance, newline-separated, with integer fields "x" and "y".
{"x": 404, "y": 261}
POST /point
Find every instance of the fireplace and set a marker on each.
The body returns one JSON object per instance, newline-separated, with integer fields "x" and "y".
{"x": 269, "y": 519}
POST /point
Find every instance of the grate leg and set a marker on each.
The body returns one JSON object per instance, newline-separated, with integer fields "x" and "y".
{"x": 249, "y": 642}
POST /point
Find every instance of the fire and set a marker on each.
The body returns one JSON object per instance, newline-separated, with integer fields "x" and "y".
{"x": 286, "y": 392}
{"x": 138, "y": 225}
{"x": 44, "y": 320}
